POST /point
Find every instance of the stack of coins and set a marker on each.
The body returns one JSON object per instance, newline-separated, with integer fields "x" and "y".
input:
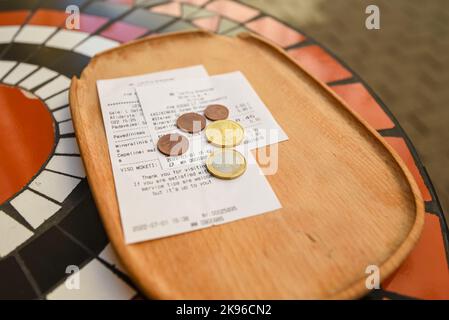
{"x": 225, "y": 163}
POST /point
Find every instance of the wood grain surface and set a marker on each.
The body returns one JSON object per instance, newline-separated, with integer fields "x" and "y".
{"x": 348, "y": 200}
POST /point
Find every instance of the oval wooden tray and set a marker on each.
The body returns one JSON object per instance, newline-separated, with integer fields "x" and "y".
{"x": 348, "y": 200}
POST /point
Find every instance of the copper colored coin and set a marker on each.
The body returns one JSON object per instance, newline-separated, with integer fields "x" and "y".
{"x": 173, "y": 144}
{"x": 216, "y": 112}
{"x": 191, "y": 122}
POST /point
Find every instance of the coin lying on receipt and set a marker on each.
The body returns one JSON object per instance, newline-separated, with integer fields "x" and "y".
{"x": 225, "y": 133}
{"x": 226, "y": 164}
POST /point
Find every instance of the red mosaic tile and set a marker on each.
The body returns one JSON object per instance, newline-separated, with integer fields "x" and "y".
{"x": 209, "y": 23}
{"x": 171, "y": 9}
{"x": 425, "y": 272}
{"x": 27, "y": 139}
{"x": 123, "y": 32}
{"x": 232, "y": 10}
{"x": 47, "y": 17}
{"x": 401, "y": 148}
{"x": 8, "y": 18}
{"x": 90, "y": 23}
{"x": 360, "y": 100}
{"x": 320, "y": 64}
{"x": 275, "y": 31}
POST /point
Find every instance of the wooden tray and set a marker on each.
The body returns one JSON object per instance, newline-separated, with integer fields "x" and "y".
{"x": 348, "y": 200}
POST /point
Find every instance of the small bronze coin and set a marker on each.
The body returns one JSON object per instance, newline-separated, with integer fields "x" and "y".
{"x": 173, "y": 144}
{"x": 216, "y": 112}
{"x": 191, "y": 122}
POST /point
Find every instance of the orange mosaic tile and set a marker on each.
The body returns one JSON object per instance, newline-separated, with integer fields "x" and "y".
{"x": 401, "y": 148}
{"x": 425, "y": 272}
{"x": 320, "y": 64}
{"x": 232, "y": 10}
{"x": 362, "y": 102}
{"x": 47, "y": 17}
{"x": 17, "y": 17}
{"x": 275, "y": 31}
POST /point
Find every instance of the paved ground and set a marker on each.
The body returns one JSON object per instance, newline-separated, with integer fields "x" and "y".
{"x": 406, "y": 62}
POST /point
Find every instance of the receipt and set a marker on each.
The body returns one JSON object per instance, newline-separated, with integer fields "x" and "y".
{"x": 157, "y": 197}
{"x": 126, "y": 128}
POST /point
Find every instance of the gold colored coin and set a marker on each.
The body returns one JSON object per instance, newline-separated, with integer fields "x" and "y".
{"x": 226, "y": 164}
{"x": 225, "y": 133}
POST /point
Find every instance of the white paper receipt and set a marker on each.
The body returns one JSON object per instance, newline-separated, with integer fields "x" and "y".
{"x": 159, "y": 198}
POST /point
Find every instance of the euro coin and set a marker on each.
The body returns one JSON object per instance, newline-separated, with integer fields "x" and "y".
{"x": 173, "y": 144}
{"x": 191, "y": 122}
{"x": 225, "y": 133}
{"x": 216, "y": 112}
{"x": 226, "y": 164}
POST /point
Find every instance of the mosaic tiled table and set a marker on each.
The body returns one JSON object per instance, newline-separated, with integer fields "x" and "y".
{"x": 48, "y": 220}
